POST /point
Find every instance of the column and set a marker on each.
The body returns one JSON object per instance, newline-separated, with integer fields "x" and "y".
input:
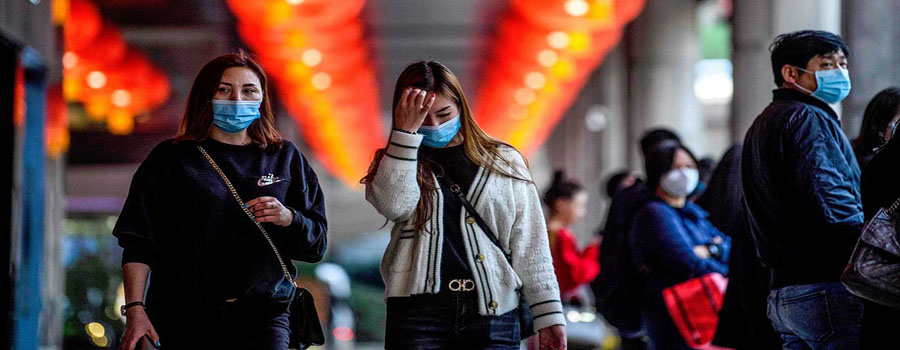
{"x": 663, "y": 46}
{"x": 872, "y": 39}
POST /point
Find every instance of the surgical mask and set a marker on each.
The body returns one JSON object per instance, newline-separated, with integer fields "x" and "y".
{"x": 680, "y": 182}
{"x": 235, "y": 116}
{"x": 833, "y": 84}
{"x": 441, "y": 135}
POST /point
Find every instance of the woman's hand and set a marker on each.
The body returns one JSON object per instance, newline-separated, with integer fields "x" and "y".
{"x": 269, "y": 209}
{"x": 412, "y": 109}
{"x": 137, "y": 325}
{"x": 552, "y": 338}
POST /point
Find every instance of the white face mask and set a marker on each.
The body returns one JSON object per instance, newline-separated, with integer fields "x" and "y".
{"x": 680, "y": 182}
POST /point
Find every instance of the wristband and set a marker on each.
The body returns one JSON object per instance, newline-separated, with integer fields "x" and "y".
{"x": 406, "y": 132}
{"x": 125, "y": 307}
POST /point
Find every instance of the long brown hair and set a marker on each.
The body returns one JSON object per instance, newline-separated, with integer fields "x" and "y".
{"x": 481, "y": 148}
{"x": 198, "y": 116}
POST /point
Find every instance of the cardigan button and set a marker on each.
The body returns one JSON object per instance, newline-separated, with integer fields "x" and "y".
{"x": 479, "y": 257}
{"x": 494, "y": 304}
{"x": 470, "y": 220}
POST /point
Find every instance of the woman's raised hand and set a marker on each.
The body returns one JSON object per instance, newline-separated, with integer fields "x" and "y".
{"x": 412, "y": 109}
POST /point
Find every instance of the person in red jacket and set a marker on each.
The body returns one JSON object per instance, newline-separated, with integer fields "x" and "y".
{"x": 566, "y": 200}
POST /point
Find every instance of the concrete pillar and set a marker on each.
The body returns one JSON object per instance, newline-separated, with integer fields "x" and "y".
{"x": 663, "y": 47}
{"x": 756, "y": 24}
{"x": 872, "y": 36}
{"x": 590, "y": 142}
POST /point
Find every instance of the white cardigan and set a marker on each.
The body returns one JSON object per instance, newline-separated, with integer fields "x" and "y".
{"x": 510, "y": 207}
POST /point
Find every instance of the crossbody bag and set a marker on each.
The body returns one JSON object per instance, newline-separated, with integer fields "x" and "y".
{"x": 305, "y": 328}
{"x": 874, "y": 267}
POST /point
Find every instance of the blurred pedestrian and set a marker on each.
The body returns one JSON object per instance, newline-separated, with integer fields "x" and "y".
{"x": 451, "y": 272}
{"x": 617, "y": 288}
{"x": 880, "y": 189}
{"x": 618, "y": 182}
{"x": 574, "y": 267}
{"x": 743, "y": 324}
{"x": 801, "y": 185}
{"x": 217, "y": 281}
{"x": 706, "y": 167}
{"x": 878, "y": 126}
{"x": 672, "y": 241}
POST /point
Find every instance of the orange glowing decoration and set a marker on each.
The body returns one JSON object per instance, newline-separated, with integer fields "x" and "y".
{"x": 113, "y": 81}
{"x": 541, "y": 57}
{"x": 318, "y": 58}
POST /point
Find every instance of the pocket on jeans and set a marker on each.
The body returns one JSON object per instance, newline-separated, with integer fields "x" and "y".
{"x": 807, "y": 316}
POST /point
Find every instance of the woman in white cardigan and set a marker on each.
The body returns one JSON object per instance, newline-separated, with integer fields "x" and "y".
{"x": 448, "y": 284}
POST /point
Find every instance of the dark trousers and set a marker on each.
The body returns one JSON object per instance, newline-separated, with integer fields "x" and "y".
{"x": 821, "y": 316}
{"x": 447, "y": 321}
{"x": 236, "y": 325}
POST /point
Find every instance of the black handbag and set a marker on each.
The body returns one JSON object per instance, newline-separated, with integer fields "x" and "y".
{"x": 526, "y": 324}
{"x": 874, "y": 269}
{"x": 306, "y": 330}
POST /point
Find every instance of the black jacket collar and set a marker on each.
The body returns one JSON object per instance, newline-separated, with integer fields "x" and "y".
{"x": 794, "y": 95}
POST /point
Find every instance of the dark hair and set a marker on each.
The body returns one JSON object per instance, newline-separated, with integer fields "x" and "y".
{"x": 797, "y": 48}
{"x": 614, "y": 183}
{"x": 879, "y": 112}
{"x": 198, "y": 116}
{"x": 724, "y": 195}
{"x": 658, "y": 138}
{"x": 659, "y": 161}
{"x": 706, "y": 167}
{"x": 560, "y": 188}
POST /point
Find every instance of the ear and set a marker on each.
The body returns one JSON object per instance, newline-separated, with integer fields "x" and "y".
{"x": 789, "y": 74}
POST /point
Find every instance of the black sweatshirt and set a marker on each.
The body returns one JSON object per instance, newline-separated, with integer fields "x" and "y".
{"x": 452, "y": 162}
{"x": 182, "y": 221}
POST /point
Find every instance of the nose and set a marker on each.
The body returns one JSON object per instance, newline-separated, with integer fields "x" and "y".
{"x": 235, "y": 96}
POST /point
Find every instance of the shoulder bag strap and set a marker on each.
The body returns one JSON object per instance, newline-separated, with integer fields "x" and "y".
{"x": 892, "y": 210}
{"x": 473, "y": 213}
{"x": 247, "y": 211}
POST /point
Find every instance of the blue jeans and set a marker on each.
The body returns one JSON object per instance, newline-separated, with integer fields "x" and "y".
{"x": 447, "y": 321}
{"x": 816, "y": 316}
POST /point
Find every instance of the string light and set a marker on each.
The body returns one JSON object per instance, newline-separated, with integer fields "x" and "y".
{"x": 525, "y": 96}
{"x": 311, "y": 57}
{"x": 321, "y": 81}
{"x": 558, "y": 40}
{"x": 535, "y": 80}
{"x": 96, "y": 79}
{"x": 577, "y": 8}
{"x": 121, "y": 98}
{"x": 69, "y": 60}
{"x": 547, "y": 58}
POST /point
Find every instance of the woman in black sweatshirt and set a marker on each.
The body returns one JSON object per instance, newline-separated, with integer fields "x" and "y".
{"x": 216, "y": 281}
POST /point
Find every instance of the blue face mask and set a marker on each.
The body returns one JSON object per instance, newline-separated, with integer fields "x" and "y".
{"x": 441, "y": 135}
{"x": 834, "y": 85}
{"x": 235, "y": 116}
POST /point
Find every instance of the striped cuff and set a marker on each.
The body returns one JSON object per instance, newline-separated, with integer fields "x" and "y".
{"x": 404, "y": 146}
{"x": 547, "y": 313}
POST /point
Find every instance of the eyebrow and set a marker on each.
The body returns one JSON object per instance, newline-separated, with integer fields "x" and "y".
{"x": 229, "y": 84}
{"x": 442, "y": 109}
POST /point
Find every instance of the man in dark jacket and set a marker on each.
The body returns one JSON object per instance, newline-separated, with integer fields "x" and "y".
{"x": 801, "y": 186}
